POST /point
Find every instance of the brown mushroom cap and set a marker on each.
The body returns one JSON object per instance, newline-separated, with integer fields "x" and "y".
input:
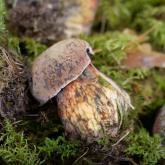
{"x": 58, "y": 66}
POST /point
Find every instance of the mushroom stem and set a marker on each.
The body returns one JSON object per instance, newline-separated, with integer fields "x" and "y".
{"x": 92, "y": 106}
{"x": 120, "y": 90}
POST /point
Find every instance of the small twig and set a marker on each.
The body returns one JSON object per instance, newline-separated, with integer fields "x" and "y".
{"x": 130, "y": 160}
{"x": 120, "y": 139}
{"x": 14, "y": 64}
{"x": 143, "y": 36}
{"x": 16, "y": 122}
{"x": 130, "y": 79}
{"x": 115, "y": 59}
{"x": 81, "y": 156}
{"x": 97, "y": 51}
{"x": 31, "y": 115}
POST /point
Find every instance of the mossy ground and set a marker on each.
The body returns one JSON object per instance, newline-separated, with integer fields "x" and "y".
{"x": 39, "y": 136}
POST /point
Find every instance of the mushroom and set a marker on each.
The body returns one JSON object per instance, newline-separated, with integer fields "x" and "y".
{"x": 58, "y": 66}
{"x": 90, "y": 104}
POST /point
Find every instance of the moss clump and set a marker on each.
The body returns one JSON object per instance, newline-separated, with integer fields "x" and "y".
{"x": 103, "y": 141}
{"x": 111, "y": 48}
{"x": 152, "y": 20}
{"x": 27, "y": 47}
{"x": 112, "y": 15}
{"x": 14, "y": 148}
{"x": 118, "y": 14}
{"x": 60, "y": 145}
{"x": 146, "y": 15}
{"x": 148, "y": 149}
{"x": 2, "y": 18}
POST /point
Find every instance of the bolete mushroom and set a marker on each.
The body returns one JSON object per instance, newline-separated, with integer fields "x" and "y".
{"x": 90, "y": 104}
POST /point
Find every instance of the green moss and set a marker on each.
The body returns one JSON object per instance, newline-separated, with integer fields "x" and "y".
{"x": 103, "y": 141}
{"x": 14, "y": 148}
{"x": 148, "y": 149}
{"x": 146, "y": 15}
{"x": 2, "y": 18}
{"x": 110, "y": 48}
{"x": 32, "y": 48}
{"x": 117, "y": 14}
{"x": 159, "y": 79}
{"x": 26, "y": 47}
{"x": 111, "y": 14}
{"x": 13, "y": 44}
{"x": 60, "y": 145}
{"x": 152, "y": 20}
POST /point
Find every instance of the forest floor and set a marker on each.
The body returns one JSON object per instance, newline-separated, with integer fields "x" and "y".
{"x": 124, "y": 33}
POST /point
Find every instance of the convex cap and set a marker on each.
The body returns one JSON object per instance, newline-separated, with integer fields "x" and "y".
{"x": 58, "y": 66}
